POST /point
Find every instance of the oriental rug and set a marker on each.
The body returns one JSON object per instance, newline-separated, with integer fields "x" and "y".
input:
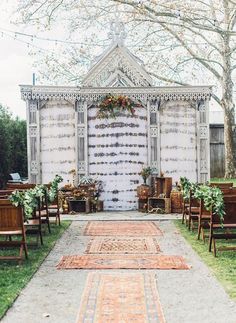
{"x": 122, "y": 262}
{"x": 123, "y": 245}
{"x": 120, "y": 298}
{"x": 121, "y": 228}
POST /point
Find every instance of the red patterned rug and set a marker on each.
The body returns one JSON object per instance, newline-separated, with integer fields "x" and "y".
{"x": 121, "y": 228}
{"x": 120, "y": 298}
{"x": 123, "y": 245}
{"x": 122, "y": 262}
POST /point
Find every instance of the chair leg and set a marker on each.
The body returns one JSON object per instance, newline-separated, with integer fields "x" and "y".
{"x": 189, "y": 222}
{"x": 59, "y": 219}
{"x": 49, "y": 228}
{"x": 214, "y": 247}
{"x": 210, "y": 243}
{"x": 199, "y": 229}
{"x": 183, "y": 217}
{"x": 41, "y": 236}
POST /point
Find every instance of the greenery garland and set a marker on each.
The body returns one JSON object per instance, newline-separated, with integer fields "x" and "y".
{"x": 211, "y": 196}
{"x": 28, "y": 199}
{"x": 185, "y": 187}
{"x": 112, "y": 105}
{"x": 52, "y": 193}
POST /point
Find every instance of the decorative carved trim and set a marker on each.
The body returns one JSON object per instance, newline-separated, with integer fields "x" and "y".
{"x": 117, "y": 60}
{"x": 153, "y": 108}
{"x": 80, "y": 106}
{"x": 154, "y": 131}
{"x": 81, "y": 132}
{"x": 203, "y": 166}
{"x": 95, "y": 94}
{"x": 154, "y": 164}
{"x": 33, "y": 131}
{"x": 34, "y": 167}
{"x": 81, "y": 167}
{"x": 203, "y": 132}
{"x": 32, "y": 107}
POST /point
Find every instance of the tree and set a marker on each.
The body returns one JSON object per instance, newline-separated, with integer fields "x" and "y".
{"x": 13, "y": 146}
{"x": 172, "y": 37}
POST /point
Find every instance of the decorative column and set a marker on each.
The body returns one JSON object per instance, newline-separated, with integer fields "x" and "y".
{"x": 154, "y": 135}
{"x": 203, "y": 148}
{"x": 33, "y": 143}
{"x": 81, "y": 138}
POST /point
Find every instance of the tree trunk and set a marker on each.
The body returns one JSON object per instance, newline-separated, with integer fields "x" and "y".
{"x": 229, "y": 145}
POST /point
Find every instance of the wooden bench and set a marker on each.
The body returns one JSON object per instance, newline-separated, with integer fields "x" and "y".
{"x": 226, "y": 229}
{"x": 12, "y": 224}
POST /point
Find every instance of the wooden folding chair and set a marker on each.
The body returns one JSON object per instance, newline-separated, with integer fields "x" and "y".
{"x": 204, "y": 217}
{"x": 12, "y": 224}
{"x": 223, "y": 229}
{"x": 54, "y": 210}
{"x": 33, "y": 225}
{"x": 192, "y": 211}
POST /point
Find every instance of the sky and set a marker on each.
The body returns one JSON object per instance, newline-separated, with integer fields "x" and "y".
{"x": 16, "y": 65}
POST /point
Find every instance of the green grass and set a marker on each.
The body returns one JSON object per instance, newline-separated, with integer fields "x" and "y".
{"x": 224, "y": 180}
{"x": 223, "y": 266}
{"x": 14, "y": 277}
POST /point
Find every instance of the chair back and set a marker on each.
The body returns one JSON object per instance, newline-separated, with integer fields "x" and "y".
{"x": 222, "y": 185}
{"x": 193, "y": 202}
{"x": 11, "y": 217}
{"x": 230, "y": 211}
{"x": 17, "y": 186}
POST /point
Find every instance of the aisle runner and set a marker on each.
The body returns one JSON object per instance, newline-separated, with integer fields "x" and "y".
{"x": 119, "y": 298}
{"x": 122, "y": 262}
{"x": 121, "y": 228}
{"x": 122, "y": 245}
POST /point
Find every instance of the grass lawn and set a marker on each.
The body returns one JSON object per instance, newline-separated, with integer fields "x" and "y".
{"x": 223, "y": 266}
{"x": 223, "y": 180}
{"x": 14, "y": 277}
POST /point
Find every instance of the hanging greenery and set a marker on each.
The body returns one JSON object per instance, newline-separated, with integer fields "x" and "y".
{"x": 185, "y": 186}
{"x": 212, "y": 198}
{"x": 112, "y": 105}
{"x": 52, "y": 192}
{"x": 28, "y": 199}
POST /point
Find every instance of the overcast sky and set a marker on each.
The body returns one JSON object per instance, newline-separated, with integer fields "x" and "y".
{"x": 15, "y": 64}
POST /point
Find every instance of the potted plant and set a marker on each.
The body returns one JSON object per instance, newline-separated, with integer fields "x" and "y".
{"x": 143, "y": 191}
{"x": 145, "y": 173}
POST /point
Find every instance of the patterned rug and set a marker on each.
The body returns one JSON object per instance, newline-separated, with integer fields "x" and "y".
{"x": 123, "y": 245}
{"x": 122, "y": 262}
{"x": 120, "y": 298}
{"x": 121, "y": 228}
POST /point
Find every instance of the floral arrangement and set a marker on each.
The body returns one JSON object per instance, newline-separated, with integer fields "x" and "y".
{"x": 112, "y": 105}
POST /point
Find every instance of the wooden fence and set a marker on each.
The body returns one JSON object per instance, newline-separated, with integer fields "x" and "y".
{"x": 217, "y": 150}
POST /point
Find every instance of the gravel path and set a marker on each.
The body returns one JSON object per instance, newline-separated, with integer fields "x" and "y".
{"x": 187, "y": 296}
